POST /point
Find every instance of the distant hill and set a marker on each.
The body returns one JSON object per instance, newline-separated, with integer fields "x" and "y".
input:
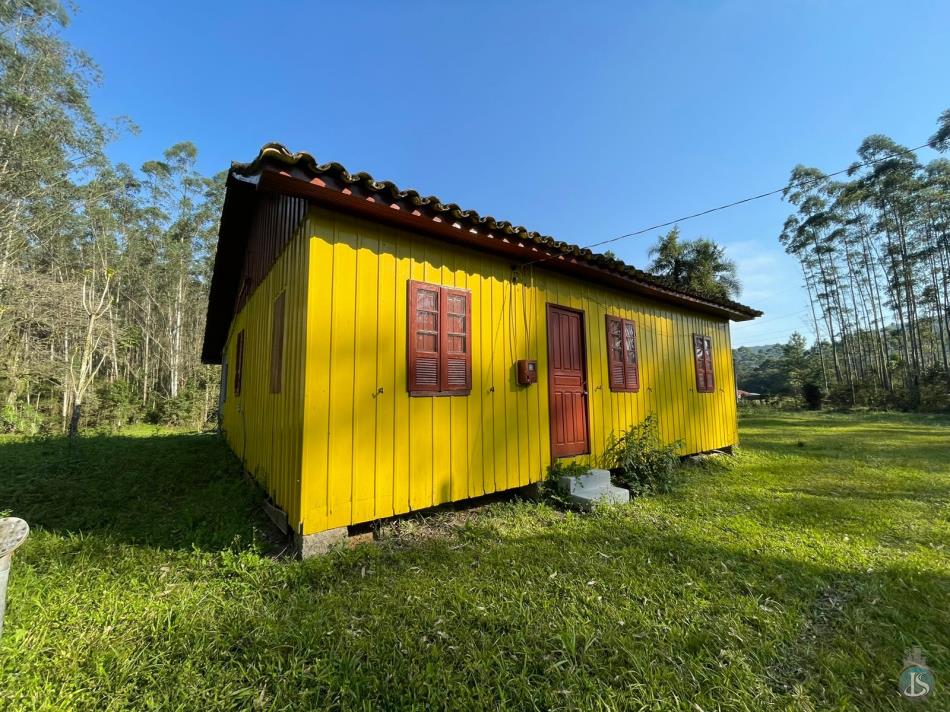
{"x": 747, "y": 359}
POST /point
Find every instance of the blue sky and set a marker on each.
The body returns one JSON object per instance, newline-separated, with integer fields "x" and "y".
{"x": 580, "y": 120}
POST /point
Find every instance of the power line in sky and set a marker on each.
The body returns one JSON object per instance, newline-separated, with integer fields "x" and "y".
{"x": 802, "y": 184}
{"x": 773, "y": 317}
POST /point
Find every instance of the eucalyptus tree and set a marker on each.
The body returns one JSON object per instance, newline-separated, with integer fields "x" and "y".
{"x": 181, "y": 218}
{"x": 807, "y": 236}
{"x": 940, "y": 141}
{"x": 935, "y": 252}
{"x": 49, "y": 133}
{"x": 865, "y": 272}
{"x": 104, "y": 270}
{"x": 50, "y": 140}
{"x": 889, "y": 176}
{"x": 875, "y": 256}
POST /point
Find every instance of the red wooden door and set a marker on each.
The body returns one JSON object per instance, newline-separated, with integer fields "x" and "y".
{"x": 567, "y": 382}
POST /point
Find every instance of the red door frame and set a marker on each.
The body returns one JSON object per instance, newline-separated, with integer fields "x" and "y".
{"x": 582, "y": 336}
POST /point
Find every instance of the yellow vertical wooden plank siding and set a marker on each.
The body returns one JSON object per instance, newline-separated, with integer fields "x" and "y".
{"x": 369, "y": 450}
{"x": 316, "y": 357}
{"x": 365, "y": 369}
{"x": 476, "y": 441}
{"x": 461, "y": 464}
{"x": 402, "y": 466}
{"x": 386, "y": 367}
{"x": 344, "y": 443}
{"x": 265, "y": 429}
{"x": 341, "y": 321}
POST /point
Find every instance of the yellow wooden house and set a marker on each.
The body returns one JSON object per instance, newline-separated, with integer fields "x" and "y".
{"x": 383, "y": 352}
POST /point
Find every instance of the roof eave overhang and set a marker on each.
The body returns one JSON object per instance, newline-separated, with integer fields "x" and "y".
{"x": 228, "y": 261}
{"x": 520, "y": 251}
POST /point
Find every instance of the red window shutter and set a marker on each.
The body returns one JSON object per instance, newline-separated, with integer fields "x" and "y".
{"x": 238, "y": 363}
{"x": 698, "y": 360}
{"x": 631, "y": 370}
{"x": 622, "y": 367}
{"x": 456, "y": 366}
{"x": 615, "y": 353}
{"x": 440, "y": 340}
{"x": 424, "y": 305}
{"x": 277, "y": 346}
{"x": 702, "y": 348}
{"x": 710, "y": 381}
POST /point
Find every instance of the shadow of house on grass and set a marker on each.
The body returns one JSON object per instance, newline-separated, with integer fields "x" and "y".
{"x": 175, "y": 491}
{"x": 539, "y": 605}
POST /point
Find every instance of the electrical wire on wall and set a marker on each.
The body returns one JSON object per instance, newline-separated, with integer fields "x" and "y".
{"x": 512, "y": 320}
{"x": 518, "y": 277}
{"x": 525, "y": 285}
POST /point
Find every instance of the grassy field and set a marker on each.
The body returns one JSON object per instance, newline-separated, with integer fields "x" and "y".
{"x": 795, "y": 576}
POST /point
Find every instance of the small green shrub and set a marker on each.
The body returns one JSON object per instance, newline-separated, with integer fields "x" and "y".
{"x": 639, "y": 461}
{"x": 22, "y": 419}
{"x": 935, "y": 391}
{"x": 119, "y": 404}
{"x": 770, "y": 404}
{"x": 862, "y": 394}
{"x": 185, "y": 409}
{"x": 813, "y": 395}
{"x": 559, "y": 469}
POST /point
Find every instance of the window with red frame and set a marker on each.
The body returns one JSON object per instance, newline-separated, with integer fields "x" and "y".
{"x": 622, "y": 363}
{"x": 702, "y": 352}
{"x": 440, "y": 340}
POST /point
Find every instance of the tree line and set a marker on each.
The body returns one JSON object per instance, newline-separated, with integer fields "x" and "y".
{"x": 104, "y": 268}
{"x": 874, "y": 253}
{"x": 782, "y": 374}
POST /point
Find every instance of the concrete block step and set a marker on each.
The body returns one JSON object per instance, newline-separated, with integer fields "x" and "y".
{"x": 592, "y": 480}
{"x": 591, "y": 497}
{"x": 591, "y": 489}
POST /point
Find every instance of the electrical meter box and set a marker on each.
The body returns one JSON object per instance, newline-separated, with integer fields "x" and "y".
{"x": 527, "y": 372}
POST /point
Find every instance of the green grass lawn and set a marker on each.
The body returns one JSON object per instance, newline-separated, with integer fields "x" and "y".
{"x": 795, "y": 576}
